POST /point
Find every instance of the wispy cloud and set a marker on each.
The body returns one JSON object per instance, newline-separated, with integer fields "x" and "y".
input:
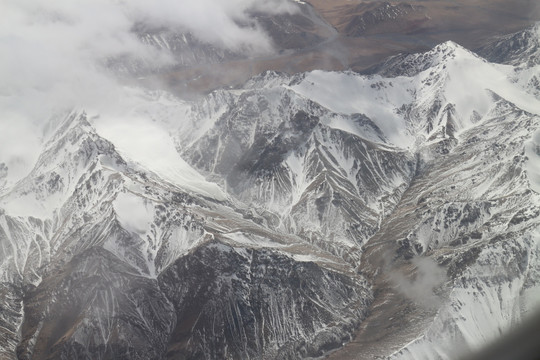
{"x": 421, "y": 288}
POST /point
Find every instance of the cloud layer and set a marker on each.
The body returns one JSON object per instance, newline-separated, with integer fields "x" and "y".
{"x": 54, "y": 54}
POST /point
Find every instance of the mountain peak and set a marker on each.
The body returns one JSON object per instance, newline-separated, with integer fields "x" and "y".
{"x": 447, "y": 52}
{"x": 413, "y": 64}
{"x": 448, "y": 46}
{"x": 73, "y": 152}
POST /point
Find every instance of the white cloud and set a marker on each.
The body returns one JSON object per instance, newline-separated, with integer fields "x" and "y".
{"x": 421, "y": 288}
{"x": 54, "y": 52}
{"x": 222, "y": 23}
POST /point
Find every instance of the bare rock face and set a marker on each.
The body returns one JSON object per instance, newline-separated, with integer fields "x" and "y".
{"x": 100, "y": 309}
{"x": 217, "y": 302}
{"x": 247, "y": 303}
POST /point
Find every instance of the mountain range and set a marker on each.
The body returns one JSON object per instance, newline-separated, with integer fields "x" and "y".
{"x": 388, "y": 213}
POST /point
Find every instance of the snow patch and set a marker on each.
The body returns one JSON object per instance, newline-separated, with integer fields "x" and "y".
{"x": 135, "y": 214}
{"x": 150, "y": 146}
{"x": 532, "y": 167}
{"x": 349, "y": 93}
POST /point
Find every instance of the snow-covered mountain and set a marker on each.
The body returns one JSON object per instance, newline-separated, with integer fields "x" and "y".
{"x": 393, "y": 214}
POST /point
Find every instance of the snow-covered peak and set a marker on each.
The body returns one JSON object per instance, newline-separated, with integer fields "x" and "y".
{"x": 74, "y": 151}
{"x": 267, "y": 79}
{"x": 447, "y": 48}
{"x": 420, "y": 97}
{"x": 413, "y": 64}
{"x": 443, "y": 58}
